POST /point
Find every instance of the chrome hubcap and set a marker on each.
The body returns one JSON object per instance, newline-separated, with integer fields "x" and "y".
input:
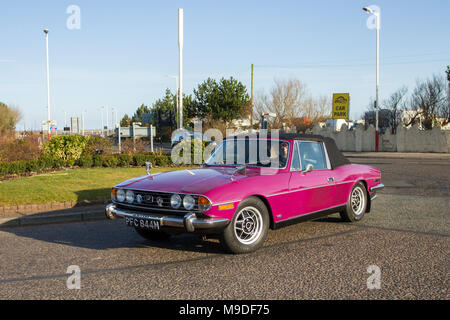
{"x": 357, "y": 201}
{"x": 248, "y": 225}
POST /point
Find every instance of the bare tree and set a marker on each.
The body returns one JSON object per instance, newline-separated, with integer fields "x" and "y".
{"x": 429, "y": 102}
{"x": 284, "y": 101}
{"x": 314, "y": 108}
{"x": 290, "y": 101}
{"x": 395, "y": 104}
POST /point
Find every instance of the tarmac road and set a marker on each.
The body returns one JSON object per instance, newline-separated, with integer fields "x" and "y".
{"x": 406, "y": 236}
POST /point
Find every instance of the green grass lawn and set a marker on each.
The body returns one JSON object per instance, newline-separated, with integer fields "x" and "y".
{"x": 67, "y": 185}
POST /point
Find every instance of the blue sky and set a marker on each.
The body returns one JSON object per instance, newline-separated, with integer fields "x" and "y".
{"x": 121, "y": 55}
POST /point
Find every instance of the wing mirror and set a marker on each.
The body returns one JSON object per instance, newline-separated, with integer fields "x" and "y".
{"x": 309, "y": 168}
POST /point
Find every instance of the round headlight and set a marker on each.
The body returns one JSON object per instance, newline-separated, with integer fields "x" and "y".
{"x": 129, "y": 195}
{"x": 120, "y": 195}
{"x": 188, "y": 202}
{"x": 175, "y": 201}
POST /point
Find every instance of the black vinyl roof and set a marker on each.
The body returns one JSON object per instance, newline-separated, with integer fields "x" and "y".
{"x": 336, "y": 157}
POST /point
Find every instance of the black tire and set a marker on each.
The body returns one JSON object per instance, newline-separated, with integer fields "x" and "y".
{"x": 256, "y": 220}
{"x": 354, "y": 211}
{"x": 152, "y": 235}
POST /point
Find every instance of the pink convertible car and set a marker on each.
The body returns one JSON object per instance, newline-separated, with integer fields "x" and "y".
{"x": 248, "y": 185}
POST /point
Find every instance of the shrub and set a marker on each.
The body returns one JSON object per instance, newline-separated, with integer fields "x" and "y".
{"x": 162, "y": 160}
{"x": 140, "y": 159}
{"x": 26, "y": 148}
{"x": 3, "y": 168}
{"x": 110, "y": 161}
{"x": 66, "y": 148}
{"x": 45, "y": 162}
{"x": 98, "y": 145}
{"x": 58, "y": 163}
{"x": 16, "y": 167}
{"x": 125, "y": 160}
{"x": 85, "y": 161}
{"x": 33, "y": 166}
{"x": 70, "y": 163}
{"x": 98, "y": 160}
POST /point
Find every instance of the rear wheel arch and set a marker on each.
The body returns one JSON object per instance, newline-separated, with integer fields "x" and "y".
{"x": 357, "y": 202}
{"x": 364, "y": 182}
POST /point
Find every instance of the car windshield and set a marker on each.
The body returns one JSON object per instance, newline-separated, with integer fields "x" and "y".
{"x": 255, "y": 153}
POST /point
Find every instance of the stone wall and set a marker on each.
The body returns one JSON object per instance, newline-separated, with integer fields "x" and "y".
{"x": 405, "y": 140}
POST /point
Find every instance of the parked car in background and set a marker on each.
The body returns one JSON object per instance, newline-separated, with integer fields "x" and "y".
{"x": 239, "y": 194}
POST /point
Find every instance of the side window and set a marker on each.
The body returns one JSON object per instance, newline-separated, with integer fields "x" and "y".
{"x": 295, "y": 164}
{"x": 312, "y": 153}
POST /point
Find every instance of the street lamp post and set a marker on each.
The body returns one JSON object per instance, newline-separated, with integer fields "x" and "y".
{"x": 48, "y": 83}
{"x": 83, "y": 118}
{"x": 377, "y": 105}
{"x": 180, "y": 49}
{"x": 82, "y": 123}
{"x": 107, "y": 121}
{"x": 103, "y": 126}
{"x": 113, "y": 118}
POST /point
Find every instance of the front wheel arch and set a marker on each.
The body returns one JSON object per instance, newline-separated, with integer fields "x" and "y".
{"x": 267, "y": 204}
{"x": 256, "y": 228}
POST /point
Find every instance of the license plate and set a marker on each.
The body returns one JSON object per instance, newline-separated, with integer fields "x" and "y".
{"x": 149, "y": 224}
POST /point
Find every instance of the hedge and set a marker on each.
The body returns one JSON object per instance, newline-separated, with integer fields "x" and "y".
{"x": 85, "y": 161}
{"x": 125, "y": 160}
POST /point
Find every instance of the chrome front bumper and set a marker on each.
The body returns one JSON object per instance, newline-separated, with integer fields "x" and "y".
{"x": 377, "y": 187}
{"x": 374, "y": 189}
{"x": 189, "y": 223}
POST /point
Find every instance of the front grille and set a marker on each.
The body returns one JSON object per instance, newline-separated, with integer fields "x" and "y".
{"x": 158, "y": 201}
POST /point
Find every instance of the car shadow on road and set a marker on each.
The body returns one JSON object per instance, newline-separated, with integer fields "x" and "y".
{"x": 186, "y": 242}
{"x": 106, "y": 234}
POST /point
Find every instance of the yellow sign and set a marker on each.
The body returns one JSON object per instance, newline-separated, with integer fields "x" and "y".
{"x": 341, "y": 106}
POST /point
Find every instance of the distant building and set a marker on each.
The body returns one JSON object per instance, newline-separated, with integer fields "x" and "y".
{"x": 75, "y": 125}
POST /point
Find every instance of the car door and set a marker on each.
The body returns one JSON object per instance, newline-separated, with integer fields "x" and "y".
{"x": 315, "y": 190}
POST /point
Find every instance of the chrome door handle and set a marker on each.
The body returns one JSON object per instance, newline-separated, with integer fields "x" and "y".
{"x": 330, "y": 179}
